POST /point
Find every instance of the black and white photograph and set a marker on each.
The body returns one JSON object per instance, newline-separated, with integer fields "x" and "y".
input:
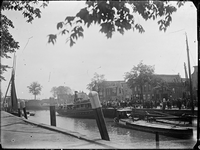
{"x": 99, "y": 74}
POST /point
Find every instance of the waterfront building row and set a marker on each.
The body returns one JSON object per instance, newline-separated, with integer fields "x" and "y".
{"x": 174, "y": 87}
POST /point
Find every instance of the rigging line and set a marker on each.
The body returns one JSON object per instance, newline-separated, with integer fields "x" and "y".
{"x": 176, "y": 31}
{"x": 179, "y": 59}
{"x": 27, "y": 43}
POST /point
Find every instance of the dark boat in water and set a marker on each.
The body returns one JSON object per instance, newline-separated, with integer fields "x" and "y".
{"x": 124, "y": 119}
{"x": 83, "y": 109}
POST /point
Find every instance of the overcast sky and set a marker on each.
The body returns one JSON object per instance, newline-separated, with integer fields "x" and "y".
{"x": 59, "y": 64}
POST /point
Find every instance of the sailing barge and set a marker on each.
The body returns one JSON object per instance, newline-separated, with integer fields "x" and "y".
{"x": 124, "y": 119}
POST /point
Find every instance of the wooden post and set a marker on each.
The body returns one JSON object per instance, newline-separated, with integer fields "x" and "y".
{"x": 24, "y": 109}
{"x": 157, "y": 140}
{"x": 96, "y": 106}
{"x": 52, "y": 112}
{"x": 19, "y": 111}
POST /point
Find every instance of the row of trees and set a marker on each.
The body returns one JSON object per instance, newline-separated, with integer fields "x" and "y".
{"x": 57, "y": 92}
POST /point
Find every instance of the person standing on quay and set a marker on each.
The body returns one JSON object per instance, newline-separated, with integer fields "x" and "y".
{"x": 164, "y": 104}
{"x": 179, "y": 103}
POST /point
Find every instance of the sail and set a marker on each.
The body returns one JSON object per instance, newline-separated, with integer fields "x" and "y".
{"x": 14, "y": 101}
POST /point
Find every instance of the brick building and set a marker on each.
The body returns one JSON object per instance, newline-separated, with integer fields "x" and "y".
{"x": 115, "y": 90}
{"x": 173, "y": 87}
{"x": 119, "y": 90}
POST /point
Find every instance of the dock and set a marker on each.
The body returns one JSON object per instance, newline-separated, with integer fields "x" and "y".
{"x": 18, "y": 132}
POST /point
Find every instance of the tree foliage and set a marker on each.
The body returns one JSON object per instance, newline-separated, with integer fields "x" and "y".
{"x": 158, "y": 83}
{"x": 30, "y": 10}
{"x": 35, "y": 88}
{"x": 61, "y": 90}
{"x": 139, "y": 76}
{"x": 54, "y": 91}
{"x": 115, "y": 16}
{"x": 97, "y": 82}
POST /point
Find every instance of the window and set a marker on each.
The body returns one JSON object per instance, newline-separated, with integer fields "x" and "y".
{"x": 149, "y": 96}
{"x": 149, "y": 87}
{"x": 144, "y": 88}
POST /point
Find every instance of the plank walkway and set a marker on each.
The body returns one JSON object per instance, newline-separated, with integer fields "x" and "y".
{"x": 17, "y": 132}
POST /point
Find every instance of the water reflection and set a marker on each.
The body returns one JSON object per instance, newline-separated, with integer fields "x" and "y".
{"x": 128, "y": 138}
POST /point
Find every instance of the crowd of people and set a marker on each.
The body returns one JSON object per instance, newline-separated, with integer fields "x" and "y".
{"x": 163, "y": 104}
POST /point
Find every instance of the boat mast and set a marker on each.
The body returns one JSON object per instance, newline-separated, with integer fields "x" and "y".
{"x": 12, "y": 90}
{"x": 186, "y": 75}
{"x": 190, "y": 78}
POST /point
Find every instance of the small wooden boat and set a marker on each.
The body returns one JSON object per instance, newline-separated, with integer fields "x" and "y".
{"x": 125, "y": 120}
{"x": 30, "y": 113}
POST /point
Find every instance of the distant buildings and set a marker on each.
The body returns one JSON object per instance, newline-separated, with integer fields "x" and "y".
{"x": 114, "y": 91}
{"x": 173, "y": 87}
{"x": 119, "y": 90}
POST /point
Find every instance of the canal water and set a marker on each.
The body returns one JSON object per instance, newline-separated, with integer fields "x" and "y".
{"x": 126, "y": 137}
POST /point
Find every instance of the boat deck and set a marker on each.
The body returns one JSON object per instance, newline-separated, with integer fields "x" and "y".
{"x": 153, "y": 124}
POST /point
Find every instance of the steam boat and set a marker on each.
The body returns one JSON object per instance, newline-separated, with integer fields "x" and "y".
{"x": 82, "y": 109}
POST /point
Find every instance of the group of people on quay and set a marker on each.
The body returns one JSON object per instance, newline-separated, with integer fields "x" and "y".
{"x": 163, "y": 104}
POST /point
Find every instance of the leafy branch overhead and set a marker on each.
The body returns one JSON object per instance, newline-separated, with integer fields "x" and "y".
{"x": 115, "y": 16}
{"x": 30, "y": 10}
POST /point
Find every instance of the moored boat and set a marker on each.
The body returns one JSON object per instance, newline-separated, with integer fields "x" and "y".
{"x": 81, "y": 109}
{"x": 30, "y": 113}
{"x": 125, "y": 120}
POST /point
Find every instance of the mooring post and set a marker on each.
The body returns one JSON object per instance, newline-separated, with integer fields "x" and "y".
{"x": 24, "y": 109}
{"x": 52, "y": 112}
{"x": 96, "y": 106}
{"x": 19, "y": 111}
{"x": 157, "y": 140}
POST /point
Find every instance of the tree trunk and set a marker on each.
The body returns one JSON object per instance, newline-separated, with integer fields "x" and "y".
{"x": 35, "y": 97}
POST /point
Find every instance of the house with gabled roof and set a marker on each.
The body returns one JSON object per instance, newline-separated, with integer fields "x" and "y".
{"x": 115, "y": 90}
{"x": 172, "y": 87}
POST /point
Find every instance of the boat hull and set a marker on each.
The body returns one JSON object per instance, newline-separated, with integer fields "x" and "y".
{"x": 86, "y": 113}
{"x": 173, "y": 131}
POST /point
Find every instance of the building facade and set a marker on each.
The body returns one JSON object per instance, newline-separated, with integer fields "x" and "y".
{"x": 195, "y": 82}
{"x": 173, "y": 88}
{"x": 115, "y": 91}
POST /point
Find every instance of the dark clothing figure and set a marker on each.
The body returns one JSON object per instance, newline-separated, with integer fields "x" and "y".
{"x": 179, "y": 104}
{"x": 169, "y": 104}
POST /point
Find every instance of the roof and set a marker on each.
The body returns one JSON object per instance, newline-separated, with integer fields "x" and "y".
{"x": 169, "y": 78}
{"x": 113, "y": 83}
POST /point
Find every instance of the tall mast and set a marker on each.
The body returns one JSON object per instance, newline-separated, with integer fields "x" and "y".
{"x": 186, "y": 75}
{"x": 190, "y": 78}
